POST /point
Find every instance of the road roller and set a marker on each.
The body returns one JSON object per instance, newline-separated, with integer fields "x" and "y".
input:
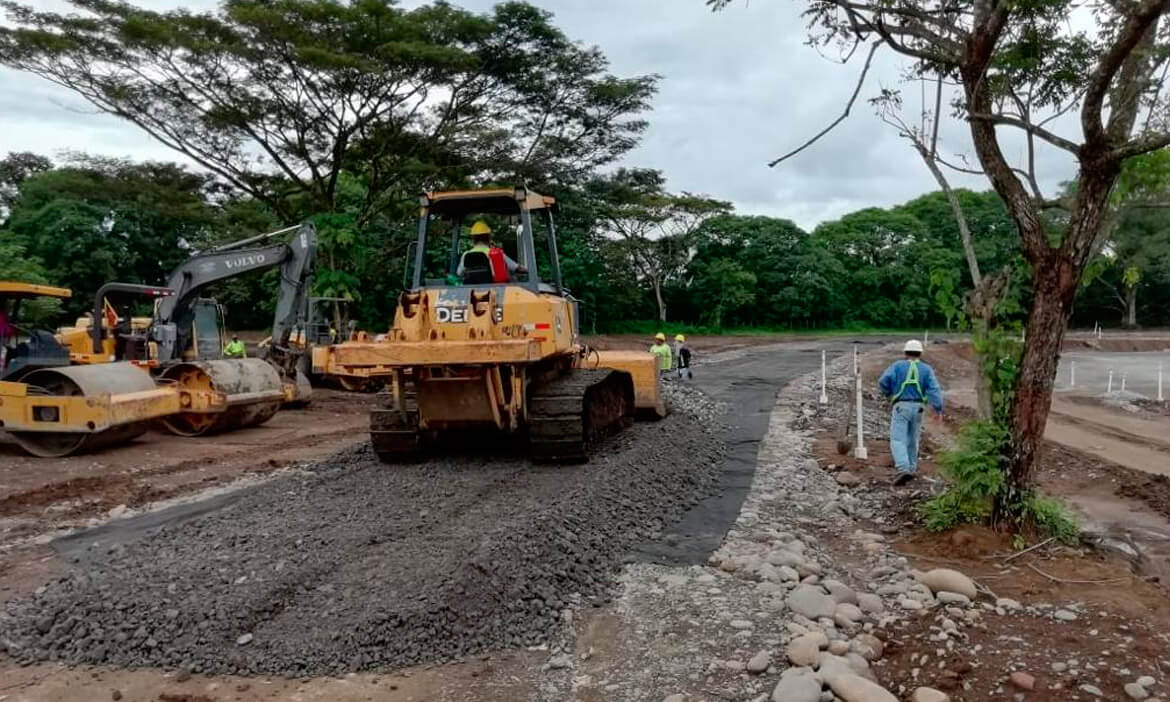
{"x": 482, "y": 342}
{"x": 52, "y": 408}
{"x": 182, "y": 342}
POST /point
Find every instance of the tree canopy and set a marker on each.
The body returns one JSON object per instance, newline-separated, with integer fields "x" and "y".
{"x": 279, "y": 99}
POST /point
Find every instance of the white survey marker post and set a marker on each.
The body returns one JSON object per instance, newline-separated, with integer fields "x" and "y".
{"x": 1123, "y": 376}
{"x": 1072, "y": 374}
{"x": 1109, "y": 387}
{"x": 1161, "y": 397}
{"x": 859, "y": 451}
{"x": 824, "y": 392}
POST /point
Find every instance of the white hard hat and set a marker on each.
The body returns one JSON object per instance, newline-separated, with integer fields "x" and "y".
{"x": 913, "y": 346}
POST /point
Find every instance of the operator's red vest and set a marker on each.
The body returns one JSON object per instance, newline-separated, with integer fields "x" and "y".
{"x": 499, "y": 265}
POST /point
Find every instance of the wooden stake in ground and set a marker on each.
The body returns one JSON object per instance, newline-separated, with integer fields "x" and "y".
{"x": 824, "y": 393}
{"x": 859, "y": 451}
{"x": 844, "y": 445}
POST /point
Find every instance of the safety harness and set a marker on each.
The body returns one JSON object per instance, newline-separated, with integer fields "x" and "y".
{"x": 912, "y": 378}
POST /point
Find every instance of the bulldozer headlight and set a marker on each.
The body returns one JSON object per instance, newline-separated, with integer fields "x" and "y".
{"x": 498, "y": 314}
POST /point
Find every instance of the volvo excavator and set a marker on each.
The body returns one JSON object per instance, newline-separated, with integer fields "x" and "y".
{"x": 470, "y": 353}
{"x": 183, "y": 342}
{"x": 187, "y": 331}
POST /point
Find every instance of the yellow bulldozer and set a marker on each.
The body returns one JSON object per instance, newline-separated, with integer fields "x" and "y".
{"x": 478, "y": 351}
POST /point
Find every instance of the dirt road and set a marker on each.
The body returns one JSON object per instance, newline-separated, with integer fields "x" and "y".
{"x": 38, "y": 495}
{"x": 1132, "y": 441}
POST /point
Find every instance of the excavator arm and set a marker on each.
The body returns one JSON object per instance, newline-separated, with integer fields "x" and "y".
{"x": 295, "y": 259}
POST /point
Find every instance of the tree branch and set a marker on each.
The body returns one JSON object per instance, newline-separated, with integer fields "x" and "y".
{"x": 848, "y": 106}
{"x": 1141, "y": 146}
{"x": 1054, "y": 139}
{"x": 1137, "y": 22}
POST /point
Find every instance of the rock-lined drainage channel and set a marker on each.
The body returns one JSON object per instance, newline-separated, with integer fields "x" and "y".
{"x": 745, "y": 382}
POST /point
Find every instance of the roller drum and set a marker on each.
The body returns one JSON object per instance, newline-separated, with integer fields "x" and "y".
{"x": 90, "y": 381}
{"x": 238, "y": 380}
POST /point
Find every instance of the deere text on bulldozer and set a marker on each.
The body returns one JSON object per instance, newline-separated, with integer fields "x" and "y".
{"x": 482, "y": 343}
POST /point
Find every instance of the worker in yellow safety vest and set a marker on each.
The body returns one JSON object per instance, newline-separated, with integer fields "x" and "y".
{"x": 235, "y": 349}
{"x": 662, "y": 350}
{"x": 911, "y": 385}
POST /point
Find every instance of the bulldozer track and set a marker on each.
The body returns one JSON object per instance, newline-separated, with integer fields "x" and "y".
{"x": 568, "y": 415}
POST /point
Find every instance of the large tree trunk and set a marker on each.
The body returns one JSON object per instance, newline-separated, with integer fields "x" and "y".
{"x": 1056, "y": 274}
{"x": 1131, "y": 306}
{"x": 1055, "y": 286}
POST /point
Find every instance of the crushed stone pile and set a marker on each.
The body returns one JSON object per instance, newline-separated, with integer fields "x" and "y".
{"x": 357, "y": 565}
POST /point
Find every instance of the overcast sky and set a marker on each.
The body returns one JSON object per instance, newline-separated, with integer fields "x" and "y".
{"x": 738, "y": 88}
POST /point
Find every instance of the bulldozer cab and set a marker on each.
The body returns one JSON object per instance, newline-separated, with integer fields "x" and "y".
{"x": 25, "y": 348}
{"x": 443, "y": 236}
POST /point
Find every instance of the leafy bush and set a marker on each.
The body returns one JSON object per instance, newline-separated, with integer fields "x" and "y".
{"x": 975, "y": 468}
{"x": 1050, "y": 517}
{"x": 975, "y": 471}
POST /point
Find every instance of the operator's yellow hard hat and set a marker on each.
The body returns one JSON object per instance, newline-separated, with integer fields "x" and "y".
{"x": 660, "y": 337}
{"x": 680, "y": 337}
{"x": 480, "y": 227}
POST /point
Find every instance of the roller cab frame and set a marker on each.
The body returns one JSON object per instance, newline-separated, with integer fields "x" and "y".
{"x": 501, "y": 356}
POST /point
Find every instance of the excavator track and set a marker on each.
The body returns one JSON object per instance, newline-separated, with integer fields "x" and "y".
{"x": 394, "y": 432}
{"x": 568, "y": 415}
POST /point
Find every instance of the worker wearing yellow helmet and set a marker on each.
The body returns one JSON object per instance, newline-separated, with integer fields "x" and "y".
{"x": 502, "y": 267}
{"x": 660, "y": 349}
{"x": 682, "y": 355}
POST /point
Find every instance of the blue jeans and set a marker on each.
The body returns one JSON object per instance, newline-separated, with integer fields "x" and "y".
{"x": 905, "y": 428}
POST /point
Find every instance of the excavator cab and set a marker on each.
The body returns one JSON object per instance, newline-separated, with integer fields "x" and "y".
{"x": 207, "y": 330}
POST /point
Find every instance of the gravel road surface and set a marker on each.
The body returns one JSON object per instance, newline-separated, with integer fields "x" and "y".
{"x": 354, "y": 565}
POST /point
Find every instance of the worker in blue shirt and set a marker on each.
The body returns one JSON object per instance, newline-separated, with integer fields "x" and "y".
{"x": 911, "y": 385}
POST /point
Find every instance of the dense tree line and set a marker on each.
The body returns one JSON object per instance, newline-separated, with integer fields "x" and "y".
{"x": 624, "y": 240}
{"x": 342, "y": 111}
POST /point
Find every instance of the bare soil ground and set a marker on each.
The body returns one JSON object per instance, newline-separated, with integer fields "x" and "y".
{"x": 1110, "y": 466}
{"x": 60, "y": 492}
{"x": 1124, "y": 624}
{"x": 39, "y": 498}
